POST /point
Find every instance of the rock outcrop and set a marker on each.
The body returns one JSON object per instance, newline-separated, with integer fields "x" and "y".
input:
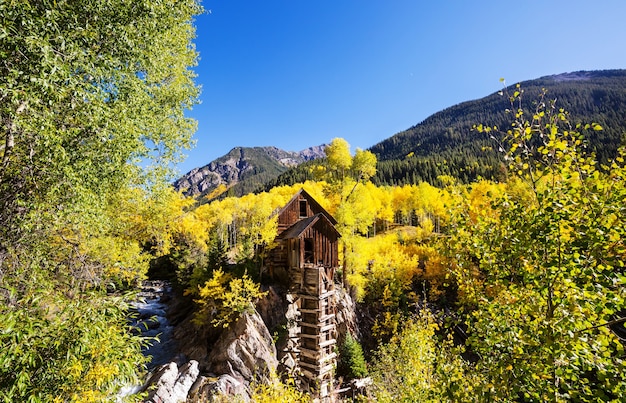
{"x": 171, "y": 384}
{"x": 246, "y": 349}
{"x": 244, "y": 352}
{"x": 273, "y": 306}
{"x": 226, "y": 385}
{"x": 346, "y": 319}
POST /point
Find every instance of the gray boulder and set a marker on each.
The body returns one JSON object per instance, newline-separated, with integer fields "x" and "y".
{"x": 206, "y": 387}
{"x": 170, "y": 384}
{"x": 245, "y": 349}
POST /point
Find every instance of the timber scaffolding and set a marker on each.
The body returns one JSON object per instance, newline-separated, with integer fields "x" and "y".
{"x": 317, "y": 331}
{"x": 306, "y": 255}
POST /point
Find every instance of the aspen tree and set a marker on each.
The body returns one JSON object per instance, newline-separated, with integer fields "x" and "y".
{"x": 542, "y": 277}
{"x": 88, "y": 89}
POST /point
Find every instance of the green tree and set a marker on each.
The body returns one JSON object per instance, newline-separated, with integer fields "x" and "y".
{"x": 87, "y": 90}
{"x": 351, "y": 359}
{"x": 542, "y": 275}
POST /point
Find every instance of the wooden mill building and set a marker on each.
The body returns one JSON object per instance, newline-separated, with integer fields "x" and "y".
{"x": 306, "y": 252}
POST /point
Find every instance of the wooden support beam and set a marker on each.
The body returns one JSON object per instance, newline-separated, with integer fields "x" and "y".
{"x": 310, "y": 336}
{"x": 327, "y": 369}
{"x": 312, "y": 310}
{"x": 329, "y": 357}
{"x": 315, "y": 325}
{"x": 309, "y": 353}
{"x": 313, "y": 375}
{"x": 319, "y": 369}
{"x": 319, "y": 357}
{"x": 318, "y": 297}
{"x": 326, "y": 318}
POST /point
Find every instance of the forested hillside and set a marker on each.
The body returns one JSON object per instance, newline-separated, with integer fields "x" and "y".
{"x": 445, "y": 144}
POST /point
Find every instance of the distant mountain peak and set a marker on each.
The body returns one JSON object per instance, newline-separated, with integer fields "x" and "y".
{"x": 247, "y": 167}
{"x": 574, "y": 76}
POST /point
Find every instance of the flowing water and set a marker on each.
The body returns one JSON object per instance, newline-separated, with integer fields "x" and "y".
{"x": 150, "y": 318}
{"x": 151, "y": 309}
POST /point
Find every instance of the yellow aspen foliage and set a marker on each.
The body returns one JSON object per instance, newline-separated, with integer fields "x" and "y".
{"x": 385, "y": 211}
{"x": 223, "y": 299}
{"x": 276, "y": 391}
{"x": 364, "y": 164}
{"x": 122, "y": 260}
{"x": 338, "y": 158}
{"x": 401, "y": 202}
{"x": 481, "y": 198}
{"x": 256, "y": 211}
{"x": 358, "y": 212}
{"x": 387, "y": 300}
{"x": 153, "y": 218}
{"x": 386, "y": 325}
{"x": 416, "y": 367}
{"x": 435, "y": 270}
{"x": 432, "y": 203}
{"x": 215, "y": 193}
{"x": 379, "y": 260}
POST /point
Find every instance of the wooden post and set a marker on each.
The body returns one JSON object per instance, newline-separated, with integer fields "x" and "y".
{"x": 317, "y": 329}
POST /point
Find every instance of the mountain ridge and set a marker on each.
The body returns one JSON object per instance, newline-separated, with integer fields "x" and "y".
{"x": 242, "y": 169}
{"x": 445, "y": 144}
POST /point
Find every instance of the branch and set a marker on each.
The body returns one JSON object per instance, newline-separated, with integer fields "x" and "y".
{"x": 610, "y": 323}
{"x": 352, "y": 191}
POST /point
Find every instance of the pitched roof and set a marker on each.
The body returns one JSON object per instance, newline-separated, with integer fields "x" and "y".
{"x": 296, "y": 230}
{"x": 299, "y": 227}
{"x": 313, "y": 204}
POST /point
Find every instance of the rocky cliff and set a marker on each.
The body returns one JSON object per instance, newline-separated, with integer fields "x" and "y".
{"x": 247, "y": 167}
{"x": 209, "y": 361}
{"x": 243, "y": 353}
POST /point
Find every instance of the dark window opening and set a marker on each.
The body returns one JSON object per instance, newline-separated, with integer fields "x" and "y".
{"x": 303, "y": 208}
{"x": 308, "y": 250}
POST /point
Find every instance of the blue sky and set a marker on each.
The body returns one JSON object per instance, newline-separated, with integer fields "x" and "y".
{"x": 295, "y": 73}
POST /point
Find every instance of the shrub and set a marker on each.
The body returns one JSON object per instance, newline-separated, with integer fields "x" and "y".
{"x": 223, "y": 298}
